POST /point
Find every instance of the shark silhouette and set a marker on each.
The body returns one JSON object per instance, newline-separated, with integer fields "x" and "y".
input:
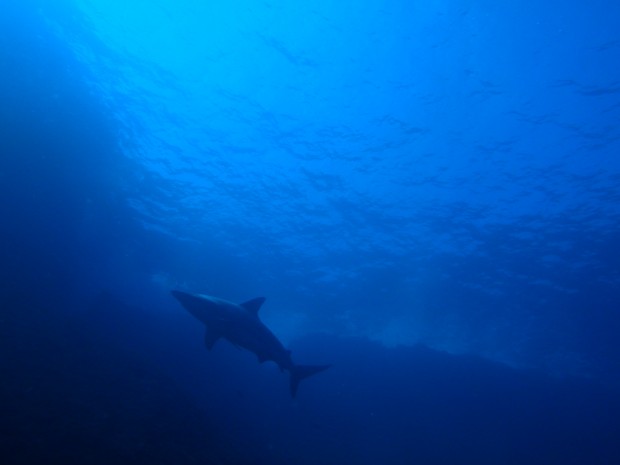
{"x": 240, "y": 324}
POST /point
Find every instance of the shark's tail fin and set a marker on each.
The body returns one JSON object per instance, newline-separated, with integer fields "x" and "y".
{"x": 300, "y": 372}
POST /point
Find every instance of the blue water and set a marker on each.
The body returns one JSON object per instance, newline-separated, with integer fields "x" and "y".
{"x": 427, "y": 193}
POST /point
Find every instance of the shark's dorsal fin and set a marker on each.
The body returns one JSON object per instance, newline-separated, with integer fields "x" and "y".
{"x": 211, "y": 338}
{"x": 253, "y": 306}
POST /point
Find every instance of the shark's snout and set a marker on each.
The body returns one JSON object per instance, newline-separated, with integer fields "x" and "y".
{"x": 195, "y": 304}
{"x": 183, "y": 297}
{"x": 179, "y": 294}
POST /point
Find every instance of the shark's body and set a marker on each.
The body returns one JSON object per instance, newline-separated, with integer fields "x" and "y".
{"x": 240, "y": 324}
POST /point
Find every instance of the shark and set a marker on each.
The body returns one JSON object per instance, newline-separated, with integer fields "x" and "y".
{"x": 241, "y": 325}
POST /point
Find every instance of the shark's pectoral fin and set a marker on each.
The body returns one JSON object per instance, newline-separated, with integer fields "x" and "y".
{"x": 253, "y": 306}
{"x": 301, "y": 372}
{"x": 211, "y": 338}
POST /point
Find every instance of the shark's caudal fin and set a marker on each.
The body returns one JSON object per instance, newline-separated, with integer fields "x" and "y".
{"x": 300, "y": 372}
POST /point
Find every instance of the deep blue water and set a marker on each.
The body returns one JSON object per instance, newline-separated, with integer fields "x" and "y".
{"x": 427, "y": 193}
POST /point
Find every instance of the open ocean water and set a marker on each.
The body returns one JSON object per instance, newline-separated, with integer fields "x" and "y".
{"x": 426, "y": 192}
